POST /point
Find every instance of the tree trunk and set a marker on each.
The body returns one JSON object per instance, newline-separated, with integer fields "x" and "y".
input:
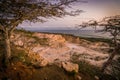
{"x": 112, "y": 54}
{"x": 7, "y": 49}
{"x": 7, "y": 53}
{"x": 107, "y": 63}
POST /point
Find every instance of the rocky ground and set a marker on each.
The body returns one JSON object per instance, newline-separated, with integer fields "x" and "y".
{"x": 55, "y": 54}
{"x": 59, "y": 50}
{"x": 62, "y": 50}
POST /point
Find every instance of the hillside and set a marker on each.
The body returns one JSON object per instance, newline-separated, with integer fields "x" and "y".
{"x": 43, "y": 56}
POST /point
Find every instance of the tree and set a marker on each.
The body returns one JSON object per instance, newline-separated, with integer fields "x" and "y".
{"x": 14, "y": 12}
{"x": 111, "y": 25}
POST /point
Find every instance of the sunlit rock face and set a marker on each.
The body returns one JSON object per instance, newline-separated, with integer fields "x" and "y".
{"x": 53, "y": 40}
{"x": 58, "y": 49}
{"x": 37, "y": 60}
{"x": 17, "y": 40}
{"x": 70, "y": 67}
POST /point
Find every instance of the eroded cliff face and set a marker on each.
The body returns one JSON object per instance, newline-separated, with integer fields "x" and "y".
{"x": 39, "y": 44}
{"x": 54, "y": 48}
{"x": 53, "y": 40}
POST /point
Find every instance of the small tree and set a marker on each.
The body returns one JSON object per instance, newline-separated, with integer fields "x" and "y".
{"x": 112, "y": 26}
{"x": 14, "y": 12}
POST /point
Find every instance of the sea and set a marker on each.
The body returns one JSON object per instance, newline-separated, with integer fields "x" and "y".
{"x": 81, "y": 33}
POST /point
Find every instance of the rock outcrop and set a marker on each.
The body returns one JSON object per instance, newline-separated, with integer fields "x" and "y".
{"x": 37, "y": 60}
{"x": 43, "y": 63}
{"x": 60, "y": 49}
{"x": 70, "y": 67}
{"x": 54, "y": 40}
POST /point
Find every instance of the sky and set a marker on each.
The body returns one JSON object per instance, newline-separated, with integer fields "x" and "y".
{"x": 93, "y": 9}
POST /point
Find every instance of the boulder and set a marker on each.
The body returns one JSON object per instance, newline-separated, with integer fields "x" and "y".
{"x": 70, "y": 67}
{"x": 43, "y": 63}
{"x": 40, "y": 64}
{"x": 19, "y": 43}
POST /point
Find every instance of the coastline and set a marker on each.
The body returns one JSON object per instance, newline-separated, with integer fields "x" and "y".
{"x": 89, "y": 38}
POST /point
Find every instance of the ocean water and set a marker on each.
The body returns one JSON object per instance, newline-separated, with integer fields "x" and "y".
{"x": 83, "y": 33}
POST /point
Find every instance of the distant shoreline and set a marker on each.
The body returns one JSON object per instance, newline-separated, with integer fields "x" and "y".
{"x": 81, "y": 33}
{"x": 92, "y": 39}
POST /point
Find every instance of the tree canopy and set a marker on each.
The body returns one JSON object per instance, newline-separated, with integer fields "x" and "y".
{"x": 111, "y": 25}
{"x": 14, "y": 12}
